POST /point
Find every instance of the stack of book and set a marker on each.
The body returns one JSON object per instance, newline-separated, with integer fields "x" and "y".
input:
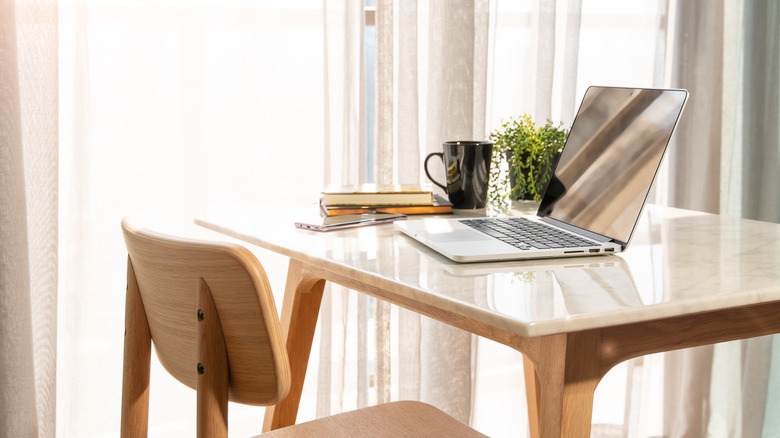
{"x": 369, "y": 198}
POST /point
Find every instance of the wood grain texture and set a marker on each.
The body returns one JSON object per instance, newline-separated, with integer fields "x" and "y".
{"x": 168, "y": 271}
{"x": 533, "y": 395}
{"x": 137, "y": 353}
{"x": 620, "y": 343}
{"x": 212, "y": 367}
{"x": 300, "y": 311}
{"x": 570, "y": 366}
{"x": 389, "y": 420}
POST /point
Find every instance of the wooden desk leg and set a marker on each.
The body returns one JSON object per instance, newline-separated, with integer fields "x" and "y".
{"x": 300, "y": 310}
{"x": 533, "y": 394}
{"x": 568, "y": 371}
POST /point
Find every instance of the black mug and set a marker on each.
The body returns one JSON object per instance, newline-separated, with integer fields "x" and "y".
{"x": 468, "y": 172}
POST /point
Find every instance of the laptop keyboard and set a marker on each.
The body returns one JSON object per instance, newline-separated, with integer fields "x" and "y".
{"x": 526, "y": 234}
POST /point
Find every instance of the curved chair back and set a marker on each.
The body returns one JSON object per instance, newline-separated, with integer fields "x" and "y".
{"x": 171, "y": 282}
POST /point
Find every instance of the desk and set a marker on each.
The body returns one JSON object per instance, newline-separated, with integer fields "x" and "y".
{"x": 688, "y": 279}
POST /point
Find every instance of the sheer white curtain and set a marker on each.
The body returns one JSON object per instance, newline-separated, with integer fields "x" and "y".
{"x": 751, "y": 143}
{"x": 169, "y": 109}
{"x": 28, "y": 217}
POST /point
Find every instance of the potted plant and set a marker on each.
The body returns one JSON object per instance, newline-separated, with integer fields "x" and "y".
{"x": 531, "y": 152}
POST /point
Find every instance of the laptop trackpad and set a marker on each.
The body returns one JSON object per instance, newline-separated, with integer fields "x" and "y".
{"x": 468, "y": 242}
{"x": 466, "y": 235}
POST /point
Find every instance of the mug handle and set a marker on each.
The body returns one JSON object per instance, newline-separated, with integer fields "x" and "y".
{"x": 425, "y": 166}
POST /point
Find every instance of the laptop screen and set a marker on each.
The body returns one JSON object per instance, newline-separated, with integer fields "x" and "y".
{"x": 610, "y": 158}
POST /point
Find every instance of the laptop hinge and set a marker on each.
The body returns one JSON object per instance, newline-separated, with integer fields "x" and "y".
{"x": 589, "y": 234}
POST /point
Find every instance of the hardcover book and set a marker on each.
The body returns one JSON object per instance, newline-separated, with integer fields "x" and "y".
{"x": 377, "y": 195}
{"x": 438, "y": 206}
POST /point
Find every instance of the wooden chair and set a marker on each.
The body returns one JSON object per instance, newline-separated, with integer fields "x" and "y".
{"x": 209, "y": 310}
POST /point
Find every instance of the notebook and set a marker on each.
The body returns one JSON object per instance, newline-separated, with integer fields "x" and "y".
{"x": 595, "y": 195}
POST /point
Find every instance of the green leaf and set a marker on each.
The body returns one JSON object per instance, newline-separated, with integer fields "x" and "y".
{"x": 533, "y": 150}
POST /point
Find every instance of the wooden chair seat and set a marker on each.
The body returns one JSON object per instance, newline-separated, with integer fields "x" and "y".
{"x": 209, "y": 310}
{"x": 389, "y": 420}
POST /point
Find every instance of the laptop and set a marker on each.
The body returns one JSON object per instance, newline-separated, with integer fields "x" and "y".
{"x": 596, "y": 193}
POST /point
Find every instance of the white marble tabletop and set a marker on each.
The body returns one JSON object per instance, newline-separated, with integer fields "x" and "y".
{"x": 679, "y": 262}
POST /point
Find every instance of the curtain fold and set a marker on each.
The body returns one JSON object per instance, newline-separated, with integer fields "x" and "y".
{"x": 28, "y": 217}
{"x": 406, "y": 102}
{"x": 697, "y": 65}
{"x": 384, "y": 155}
{"x": 544, "y": 48}
{"x": 19, "y": 408}
{"x": 345, "y": 163}
{"x": 384, "y": 166}
{"x": 456, "y": 79}
{"x": 456, "y": 85}
{"x": 695, "y": 59}
{"x": 760, "y": 115}
{"x": 345, "y": 93}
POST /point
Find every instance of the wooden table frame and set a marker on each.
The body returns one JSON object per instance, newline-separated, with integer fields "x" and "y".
{"x": 562, "y": 370}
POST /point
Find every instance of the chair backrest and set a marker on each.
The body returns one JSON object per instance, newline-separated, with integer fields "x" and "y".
{"x": 171, "y": 274}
